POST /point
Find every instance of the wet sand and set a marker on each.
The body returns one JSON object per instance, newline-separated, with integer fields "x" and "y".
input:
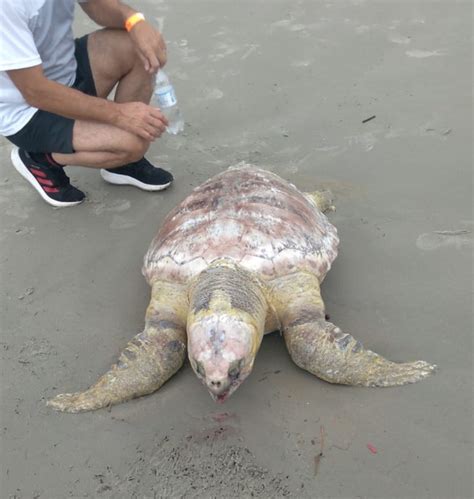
{"x": 286, "y": 86}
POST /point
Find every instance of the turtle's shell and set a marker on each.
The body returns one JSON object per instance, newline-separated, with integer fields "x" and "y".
{"x": 250, "y": 216}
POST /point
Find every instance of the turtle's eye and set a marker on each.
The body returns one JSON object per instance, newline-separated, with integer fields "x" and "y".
{"x": 200, "y": 369}
{"x": 234, "y": 371}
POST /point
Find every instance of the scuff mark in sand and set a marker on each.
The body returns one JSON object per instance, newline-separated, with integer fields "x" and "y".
{"x": 301, "y": 64}
{"x": 283, "y": 23}
{"x": 221, "y": 32}
{"x": 297, "y": 27}
{"x": 224, "y": 50}
{"x": 400, "y": 39}
{"x": 330, "y": 149}
{"x": 423, "y": 54}
{"x": 117, "y": 206}
{"x": 458, "y": 238}
{"x": 250, "y": 50}
{"x": 19, "y": 211}
{"x": 187, "y": 54}
{"x": 214, "y": 94}
{"x": 120, "y": 223}
{"x": 209, "y": 94}
{"x": 366, "y": 140}
{"x": 22, "y": 230}
{"x": 360, "y": 30}
{"x": 180, "y": 75}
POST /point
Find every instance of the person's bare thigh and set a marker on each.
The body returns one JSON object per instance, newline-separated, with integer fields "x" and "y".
{"x": 91, "y": 136}
{"x": 111, "y": 56}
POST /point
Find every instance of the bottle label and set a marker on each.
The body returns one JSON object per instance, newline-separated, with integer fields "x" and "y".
{"x": 166, "y": 96}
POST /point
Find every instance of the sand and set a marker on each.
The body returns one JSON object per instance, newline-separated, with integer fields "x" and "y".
{"x": 285, "y": 85}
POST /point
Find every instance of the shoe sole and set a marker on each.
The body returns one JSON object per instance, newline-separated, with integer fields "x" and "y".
{"x": 118, "y": 179}
{"x": 27, "y": 175}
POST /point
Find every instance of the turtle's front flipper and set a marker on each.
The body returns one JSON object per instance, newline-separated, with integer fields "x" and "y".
{"x": 148, "y": 360}
{"x": 324, "y": 350}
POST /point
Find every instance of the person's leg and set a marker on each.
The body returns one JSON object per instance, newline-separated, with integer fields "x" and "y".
{"x": 106, "y": 58}
{"x": 32, "y": 158}
{"x": 98, "y": 145}
{"x": 113, "y": 60}
{"x": 105, "y": 147}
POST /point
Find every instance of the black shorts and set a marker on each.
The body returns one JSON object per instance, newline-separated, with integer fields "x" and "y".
{"x": 48, "y": 132}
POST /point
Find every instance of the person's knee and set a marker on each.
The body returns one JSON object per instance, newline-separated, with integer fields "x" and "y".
{"x": 135, "y": 150}
{"x": 117, "y": 44}
{"x": 130, "y": 54}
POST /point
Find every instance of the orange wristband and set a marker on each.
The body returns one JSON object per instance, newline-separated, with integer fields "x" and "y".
{"x": 133, "y": 19}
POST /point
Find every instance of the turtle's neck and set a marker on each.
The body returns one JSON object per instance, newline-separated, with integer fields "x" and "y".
{"x": 226, "y": 287}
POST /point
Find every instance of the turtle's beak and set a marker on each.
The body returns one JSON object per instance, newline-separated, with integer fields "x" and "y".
{"x": 221, "y": 398}
{"x": 220, "y": 393}
{"x": 218, "y": 388}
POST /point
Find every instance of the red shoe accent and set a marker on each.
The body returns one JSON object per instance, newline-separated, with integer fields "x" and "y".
{"x": 37, "y": 173}
{"x": 51, "y": 189}
{"x": 45, "y": 181}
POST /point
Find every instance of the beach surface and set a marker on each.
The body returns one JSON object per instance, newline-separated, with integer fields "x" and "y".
{"x": 288, "y": 86}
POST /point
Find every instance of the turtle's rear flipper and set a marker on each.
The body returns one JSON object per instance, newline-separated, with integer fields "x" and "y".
{"x": 325, "y": 351}
{"x": 323, "y": 199}
{"x": 149, "y": 359}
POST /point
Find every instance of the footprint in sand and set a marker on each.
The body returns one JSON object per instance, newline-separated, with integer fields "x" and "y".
{"x": 429, "y": 241}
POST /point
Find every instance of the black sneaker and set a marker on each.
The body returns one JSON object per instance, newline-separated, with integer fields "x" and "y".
{"x": 141, "y": 174}
{"x": 48, "y": 179}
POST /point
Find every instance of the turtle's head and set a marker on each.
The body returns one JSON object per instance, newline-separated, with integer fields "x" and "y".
{"x": 225, "y": 327}
{"x": 222, "y": 352}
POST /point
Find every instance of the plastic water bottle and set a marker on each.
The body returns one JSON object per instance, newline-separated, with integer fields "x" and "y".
{"x": 164, "y": 97}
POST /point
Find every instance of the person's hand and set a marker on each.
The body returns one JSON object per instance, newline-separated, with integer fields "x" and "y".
{"x": 145, "y": 121}
{"x": 150, "y": 46}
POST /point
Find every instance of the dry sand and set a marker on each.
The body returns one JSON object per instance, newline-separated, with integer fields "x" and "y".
{"x": 284, "y": 85}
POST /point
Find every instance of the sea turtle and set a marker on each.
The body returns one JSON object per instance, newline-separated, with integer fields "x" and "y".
{"x": 243, "y": 255}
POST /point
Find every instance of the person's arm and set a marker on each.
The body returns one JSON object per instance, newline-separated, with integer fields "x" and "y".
{"x": 149, "y": 43}
{"x": 107, "y": 13}
{"x": 138, "y": 118}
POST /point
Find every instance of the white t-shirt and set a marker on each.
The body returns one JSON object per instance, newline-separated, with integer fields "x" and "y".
{"x": 33, "y": 32}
